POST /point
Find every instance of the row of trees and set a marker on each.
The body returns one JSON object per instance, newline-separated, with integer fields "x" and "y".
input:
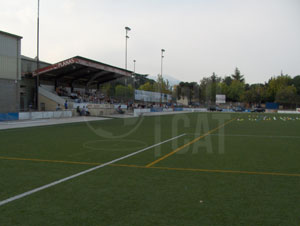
{"x": 161, "y": 85}
{"x": 282, "y": 89}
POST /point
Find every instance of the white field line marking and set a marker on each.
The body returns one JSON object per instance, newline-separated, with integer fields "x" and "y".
{"x": 262, "y": 136}
{"x": 81, "y": 173}
{"x": 247, "y": 135}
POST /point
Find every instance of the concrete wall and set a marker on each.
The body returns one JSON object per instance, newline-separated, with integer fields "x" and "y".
{"x": 50, "y": 105}
{"x": 45, "y": 115}
{"x": 288, "y": 112}
{"x": 9, "y": 96}
{"x": 101, "y": 111}
{"x": 50, "y": 100}
{"x": 138, "y": 112}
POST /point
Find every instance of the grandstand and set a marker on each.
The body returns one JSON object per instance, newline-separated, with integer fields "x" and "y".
{"x": 77, "y": 80}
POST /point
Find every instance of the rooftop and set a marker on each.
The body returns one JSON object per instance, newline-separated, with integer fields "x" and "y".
{"x": 9, "y": 34}
{"x": 81, "y": 70}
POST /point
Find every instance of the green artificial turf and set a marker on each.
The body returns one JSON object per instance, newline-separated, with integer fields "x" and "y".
{"x": 166, "y": 194}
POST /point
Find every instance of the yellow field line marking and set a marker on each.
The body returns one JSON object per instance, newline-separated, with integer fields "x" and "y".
{"x": 226, "y": 171}
{"x": 187, "y": 144}
{"x": 209, "y": 170}
{"x": 66, "y": 162}
{"x": 126, "y": 165}
{"x": 52, "y": 161}
{"x": 156, "y": 167}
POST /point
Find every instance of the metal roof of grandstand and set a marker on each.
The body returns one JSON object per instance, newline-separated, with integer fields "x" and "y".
{"x": 9, "y": 34}
{"x": 81, "y": 70}
{"x": 33, "y": 59}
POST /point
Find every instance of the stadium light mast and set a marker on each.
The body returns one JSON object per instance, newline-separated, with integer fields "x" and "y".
{"x": 126, "y": 38}
{"x": 162, "y": 57}
{"x": 161, "y": 73}
{"x": 38, "y": 58}
{"x": 134, "y": 61}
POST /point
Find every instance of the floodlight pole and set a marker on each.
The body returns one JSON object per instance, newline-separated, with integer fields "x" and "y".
{"x": 38, "y": 58}
{"x": 134, "y": 61}
{"x": 161, "y": 72}
{"x": 126, "y": 38}
{"x": 162, "y": 57}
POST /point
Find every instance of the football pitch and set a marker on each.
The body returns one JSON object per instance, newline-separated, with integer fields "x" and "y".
{"x": 184, "y": 169}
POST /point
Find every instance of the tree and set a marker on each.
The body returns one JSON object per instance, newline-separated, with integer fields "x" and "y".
{"x": 141, "y": 80}
{"x": 209, "y": 87}
{"x": 296, "y": 83}
{"x": 108, "y": 89}
{"x": 176, "y": 92}
{"x": 124, "y": 92}
{"x": 255, "y": 94}
{"x": 275, "y": 84}
{"x": 237, "y": 75}
{"x": 227, "y": 80}
{"x": 223, "y": 88}
{"x": 236, "y": 90}
{"x": 190, "y": 90}
{"x": 162, "y": 85}
{"x": 286, "y": 95}
{"x": 147, "y": 87}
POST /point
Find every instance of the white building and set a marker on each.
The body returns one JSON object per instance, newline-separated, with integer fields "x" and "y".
{"x": 10, "y": 72}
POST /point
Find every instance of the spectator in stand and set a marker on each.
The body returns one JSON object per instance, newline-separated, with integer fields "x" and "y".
{"x": 119, "y": 110}
{"x": 58, "y": 91}
{"x": 58, "y": 107}
{"x": 83, "y": 111}
{"x": 66, "y": 105}
{"x": 78, "y": 110}
{"x": 30, "y": 106}
{"x": 87, "y": 113}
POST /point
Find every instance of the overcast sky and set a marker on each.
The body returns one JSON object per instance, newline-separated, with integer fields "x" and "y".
{"x": 260, "y": 37}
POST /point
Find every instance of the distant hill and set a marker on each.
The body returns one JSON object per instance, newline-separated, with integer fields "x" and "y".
{"x": 173, "y": 81}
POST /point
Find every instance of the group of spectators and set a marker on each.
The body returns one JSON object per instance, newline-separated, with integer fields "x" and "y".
{"x": 61, "y": 91}
{"x": 84, "y": 111}
{"x": 66, "y": 105}
{"x": 97, "y": 97}
{"x": 94, "y": 97}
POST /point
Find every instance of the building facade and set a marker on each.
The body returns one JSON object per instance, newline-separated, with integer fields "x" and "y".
{"x": 10, "y": 72}
{"x": 28, "y": 83}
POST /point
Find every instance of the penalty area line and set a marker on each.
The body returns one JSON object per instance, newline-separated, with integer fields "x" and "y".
{"x": 82, "y": 173}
